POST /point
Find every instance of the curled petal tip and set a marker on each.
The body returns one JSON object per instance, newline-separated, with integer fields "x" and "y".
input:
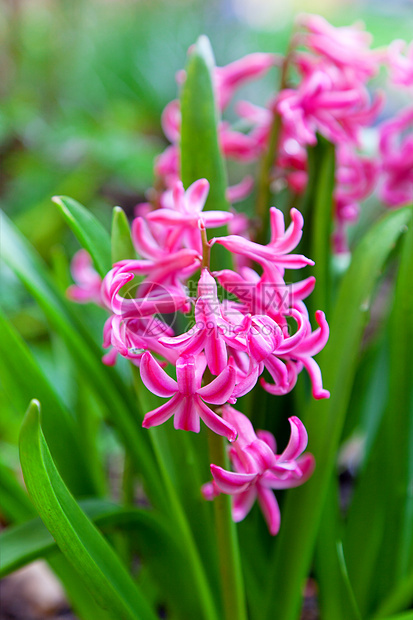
{"x": 322, "y": 394}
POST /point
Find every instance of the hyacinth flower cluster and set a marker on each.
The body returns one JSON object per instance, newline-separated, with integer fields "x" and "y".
{"x": 229, "y": 342}
{"x": 327, "y": 95}
{"x": 325, "y": 90}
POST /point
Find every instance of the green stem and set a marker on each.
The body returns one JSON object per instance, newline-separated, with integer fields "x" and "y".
{"x": 207, "y": 603}
{"x": 227, "y": 541}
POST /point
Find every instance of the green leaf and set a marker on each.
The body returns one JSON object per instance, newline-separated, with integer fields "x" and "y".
{"x": 31, "y": 540}
{"x": 23, "y": 380}
{"x": 122, "y": 408}
{"x": 90, "y": 232}
{"x": 400, "y": 597}
{"x": 408, "y": 615}
{"x": 112, "y": 392}
{"x": 15, "y": 503}
{"x": 201, "y": 156}
{"x": 385, "y": 486}
{"x": 122, "y": 246}
{"x": 324, "y": 419}
{"x": 336, "y": 597}
{"x": 200, "y": 153}
{"x": 321, "y": 169}
{"x": 78, "y": 539}
{"x": 154, "y": 538}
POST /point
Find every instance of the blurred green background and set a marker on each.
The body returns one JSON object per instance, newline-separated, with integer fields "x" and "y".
{"x": 84, "y": 83}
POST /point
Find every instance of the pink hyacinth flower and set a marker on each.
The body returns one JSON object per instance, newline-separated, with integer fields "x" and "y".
{"x": 399, "y": 58}
{"x": 326, "y": 102}
{"x": 396, "y": 150}
{"x": 347, "y": 47}
{"x": 231, "y": 77}
{"x": 258, "y": 470}
{"x": 182, "y": 210}
{"x": 278, "y": 249}
{"x": 205, "y": 335}
{"x": 298, "y": 353}
{"x": 187, "y": 396}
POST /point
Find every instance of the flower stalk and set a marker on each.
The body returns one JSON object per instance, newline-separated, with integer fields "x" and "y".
{"x": 233, "y": 594}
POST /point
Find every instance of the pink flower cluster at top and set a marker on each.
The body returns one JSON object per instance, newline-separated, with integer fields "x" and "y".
{"x": 328, "y": 95}
{"x": 229, "y": 342}
{"x": 240, "y": 323}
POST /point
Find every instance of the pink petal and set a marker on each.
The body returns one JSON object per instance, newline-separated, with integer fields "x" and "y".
{"x": 293, "y": 341}
{"x": 214, "y": 421}
{"x": 297, "y": 442}
{"x": 231, "y": 482}
{"x": 216, "y": 353}
{"x": 143, "y": 240}
{"x": 210, "y": 490}
{"x": 238, "y": 420}
{"x": 236, "y": 193}
{"x": 171, "y": 121}
{"x": 258, "y": 252}
{"x": 109, "y": 359}
{"x": 318, "y": 339}
{"x": 314, "y": 371}
{"x": 277, "y": 225}
{"x": 268, "y": 438}
{"x": 220, "y": 389}
{"x": 169, "y": 217}
{"x": 270, "y": 509}
{"x": 186, "y": 375}
{"x": 155, "y": 378}
{"x": 215, "y": 219}
{"x": 305, "y": 465}
{"x": 292, "y": 236}
{"x": 247, "y": 383}
{"x": 262, "y": 454}
{"x": 186, "y": 417}
{"x": 196, "y": 195}
{"x": 278, "y": 372}
{"x": 190, "y": 343}
{"x": 161, "y": 414}
{"x": 242, "y": 503}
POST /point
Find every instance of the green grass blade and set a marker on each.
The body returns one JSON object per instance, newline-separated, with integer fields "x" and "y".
{"x": 90, "y": 232}
{"x": 322, "y": 168}
{"x": 23, "y": 380}
{"x": 31, "y": 540}
{"x": 200, "y": 153}
{"x": 336, "y": 597}
{"x": 400, "y": 414}
{"x": 324, "y": 420}
{"x": 15, "y": 504}
{"x": 154, "y": 538}
{"x": 121, "y": 241}
{"x": 380, "y": 558}
{"x": 76, "y": 536}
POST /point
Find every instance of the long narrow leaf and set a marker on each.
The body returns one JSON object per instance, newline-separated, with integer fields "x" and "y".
{"x": 24, "y": 380}
{"x": 324, "y": 420}
{"x": 78, "y": 539}
{"x": 90, "y": 232}
{"x": 382, "y": 557}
